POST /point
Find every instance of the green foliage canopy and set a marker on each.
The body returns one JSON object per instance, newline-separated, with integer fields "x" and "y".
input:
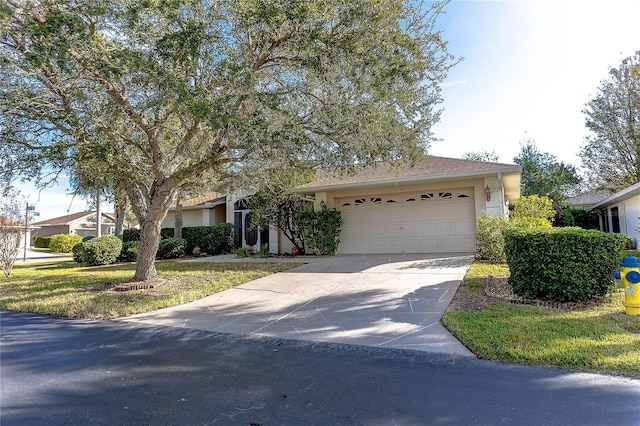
{"x": 543, "y": 175}
{"x": 610, "y": 155}
{"x": 162, "y": 96}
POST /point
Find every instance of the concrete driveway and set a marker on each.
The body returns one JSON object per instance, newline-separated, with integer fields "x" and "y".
{"x": 389, "y": 301}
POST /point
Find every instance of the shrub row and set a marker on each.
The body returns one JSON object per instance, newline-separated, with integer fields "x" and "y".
{"x": 562, "y": 264}
{"x": 63, "y": 243}
{"x": 133, "y": 234}
{"x": 42, "y": 242}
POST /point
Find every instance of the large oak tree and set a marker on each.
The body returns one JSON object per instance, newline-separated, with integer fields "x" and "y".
{"x": 162, "y": 96}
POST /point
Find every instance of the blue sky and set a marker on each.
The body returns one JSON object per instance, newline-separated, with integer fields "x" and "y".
{"x": 529, "y": 68}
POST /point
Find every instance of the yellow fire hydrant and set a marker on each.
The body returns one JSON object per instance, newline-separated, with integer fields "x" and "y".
{"x": 630, "y": 275}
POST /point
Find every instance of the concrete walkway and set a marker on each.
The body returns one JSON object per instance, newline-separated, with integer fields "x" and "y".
{"x": 388, "y": 301}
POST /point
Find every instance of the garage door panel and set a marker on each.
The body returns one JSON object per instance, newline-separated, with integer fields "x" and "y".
{"x": 429, "y": 223}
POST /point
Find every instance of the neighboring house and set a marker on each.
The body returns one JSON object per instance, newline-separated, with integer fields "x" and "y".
{"x": 205, "y": 210}
{"x": 431, "y": 207}
{"x": 82, "y": 223}
{"x": 587, "y": 199}
{"x": 619, "y": 212}
{"x": 9, "y": 225}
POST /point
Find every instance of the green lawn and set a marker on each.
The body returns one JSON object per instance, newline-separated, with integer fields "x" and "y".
{"x": 598, "y": 339}
{"x": 67, "y": 289}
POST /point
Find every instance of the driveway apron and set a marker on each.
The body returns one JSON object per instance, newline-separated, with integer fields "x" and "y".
{"x": 391, "y": 300}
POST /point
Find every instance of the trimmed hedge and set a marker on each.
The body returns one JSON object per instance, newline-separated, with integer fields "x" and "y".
{"x": 216, "y": 239}
{"x": 171, "y": 248}
{"x": 77, "y": 251}
{"x": 131, "y": 234}
{"x": 129, "y": 251}
{"x": 102, "y": 250}
{"x": 562, "y": 264}
{"x": 42, "y": 242}
{"x": 63, "y": 243}
{"x": 166, "y": 233}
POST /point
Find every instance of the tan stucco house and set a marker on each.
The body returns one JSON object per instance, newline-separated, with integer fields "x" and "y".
{"x": 204, "y": 210}
{"x": 81, "y": 223}
{"x": 431, "y": 207}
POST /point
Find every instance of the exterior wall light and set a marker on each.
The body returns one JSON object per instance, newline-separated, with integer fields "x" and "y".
{"x": 487, "y": 193}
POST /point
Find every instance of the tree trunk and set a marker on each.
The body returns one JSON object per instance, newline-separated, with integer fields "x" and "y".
{"x": 119, "y": 220}
{"x": 177, "y": 229}
{"x": 150, "y": 214}
{"x": 149, "y": 242}
{"x": 98, "y": 213}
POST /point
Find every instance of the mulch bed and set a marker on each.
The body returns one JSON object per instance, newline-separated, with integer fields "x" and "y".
{"x": 498, "y": 287}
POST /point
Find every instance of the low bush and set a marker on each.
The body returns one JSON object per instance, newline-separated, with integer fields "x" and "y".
{"x": 131, "y": 234}
{"x": 172, "y": 248}
{"x": 77, "y": 251}
{"x": 562, "y": 264}
{"x": 321, "y": 230}
{"x": 243, "y": 251}
{"x": 489, "y": 239}
{"x": 167, "y": 233}
{"x": 219, "y": 240}
{"x": 63, "y": 243}
{"x": 129, "y": 251}
{"x": 42, "y": 242}
{"x": 102, "y": 250}
{"x": 216, "y": 239}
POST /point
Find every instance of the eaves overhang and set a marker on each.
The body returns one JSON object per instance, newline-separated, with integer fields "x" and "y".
{"x": 630, "y": 191}
{"x": 407, "y": 180}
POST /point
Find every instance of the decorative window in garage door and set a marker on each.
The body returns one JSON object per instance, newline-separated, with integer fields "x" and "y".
{"x": 404, "y": 198}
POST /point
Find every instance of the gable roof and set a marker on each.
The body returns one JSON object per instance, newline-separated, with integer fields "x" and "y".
{"x": 206, "y": 201}
{"x": 588, "y": 198}
{"x": 10, "y": 222}
{"x": 211, "y": 197}
{"x": 63, "y": 220}
{"x": 431, "y": 168}
{"x": 622, "y": 195}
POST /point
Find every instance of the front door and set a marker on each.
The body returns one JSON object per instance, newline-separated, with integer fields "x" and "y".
{"x": 244, "y": 235}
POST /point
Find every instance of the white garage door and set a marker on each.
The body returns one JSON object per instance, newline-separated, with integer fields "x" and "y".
{"x": 422, "y": 222}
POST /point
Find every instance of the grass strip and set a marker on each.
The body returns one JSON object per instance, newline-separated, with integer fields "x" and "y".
{"x": 600, "y": 338}
{"x": 64, "y": 288}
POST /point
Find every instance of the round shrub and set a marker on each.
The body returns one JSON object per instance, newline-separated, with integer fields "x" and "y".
{"x": 129, "y": 251}
{"x": 42, "y": 242}
{"x": 172, "y": 248}
{"x": 489, "y": 239}
{"x": 102, "y": 250}
{"x": 63, "y": 243}
{"x": 78, "y": 251}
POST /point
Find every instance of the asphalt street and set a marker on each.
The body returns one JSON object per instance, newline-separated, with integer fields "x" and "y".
{"x": 59, "y": 371}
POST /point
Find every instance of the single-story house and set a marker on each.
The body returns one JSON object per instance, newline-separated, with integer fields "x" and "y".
{"x": 204, "y": 210}
{"x": 430, "y": 207}
{"x": 619, "y": 212}
{"x": 587, "y": 199}
{"x": 12, "y": 227}
{"x": 81, "y": 223}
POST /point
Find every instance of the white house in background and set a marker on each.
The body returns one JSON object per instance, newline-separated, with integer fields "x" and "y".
{"x": 430, "y": 207}
{"x": 81, "y": 223}
{"x": 14, "y": 227}
{"x": 619, "y": 212}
